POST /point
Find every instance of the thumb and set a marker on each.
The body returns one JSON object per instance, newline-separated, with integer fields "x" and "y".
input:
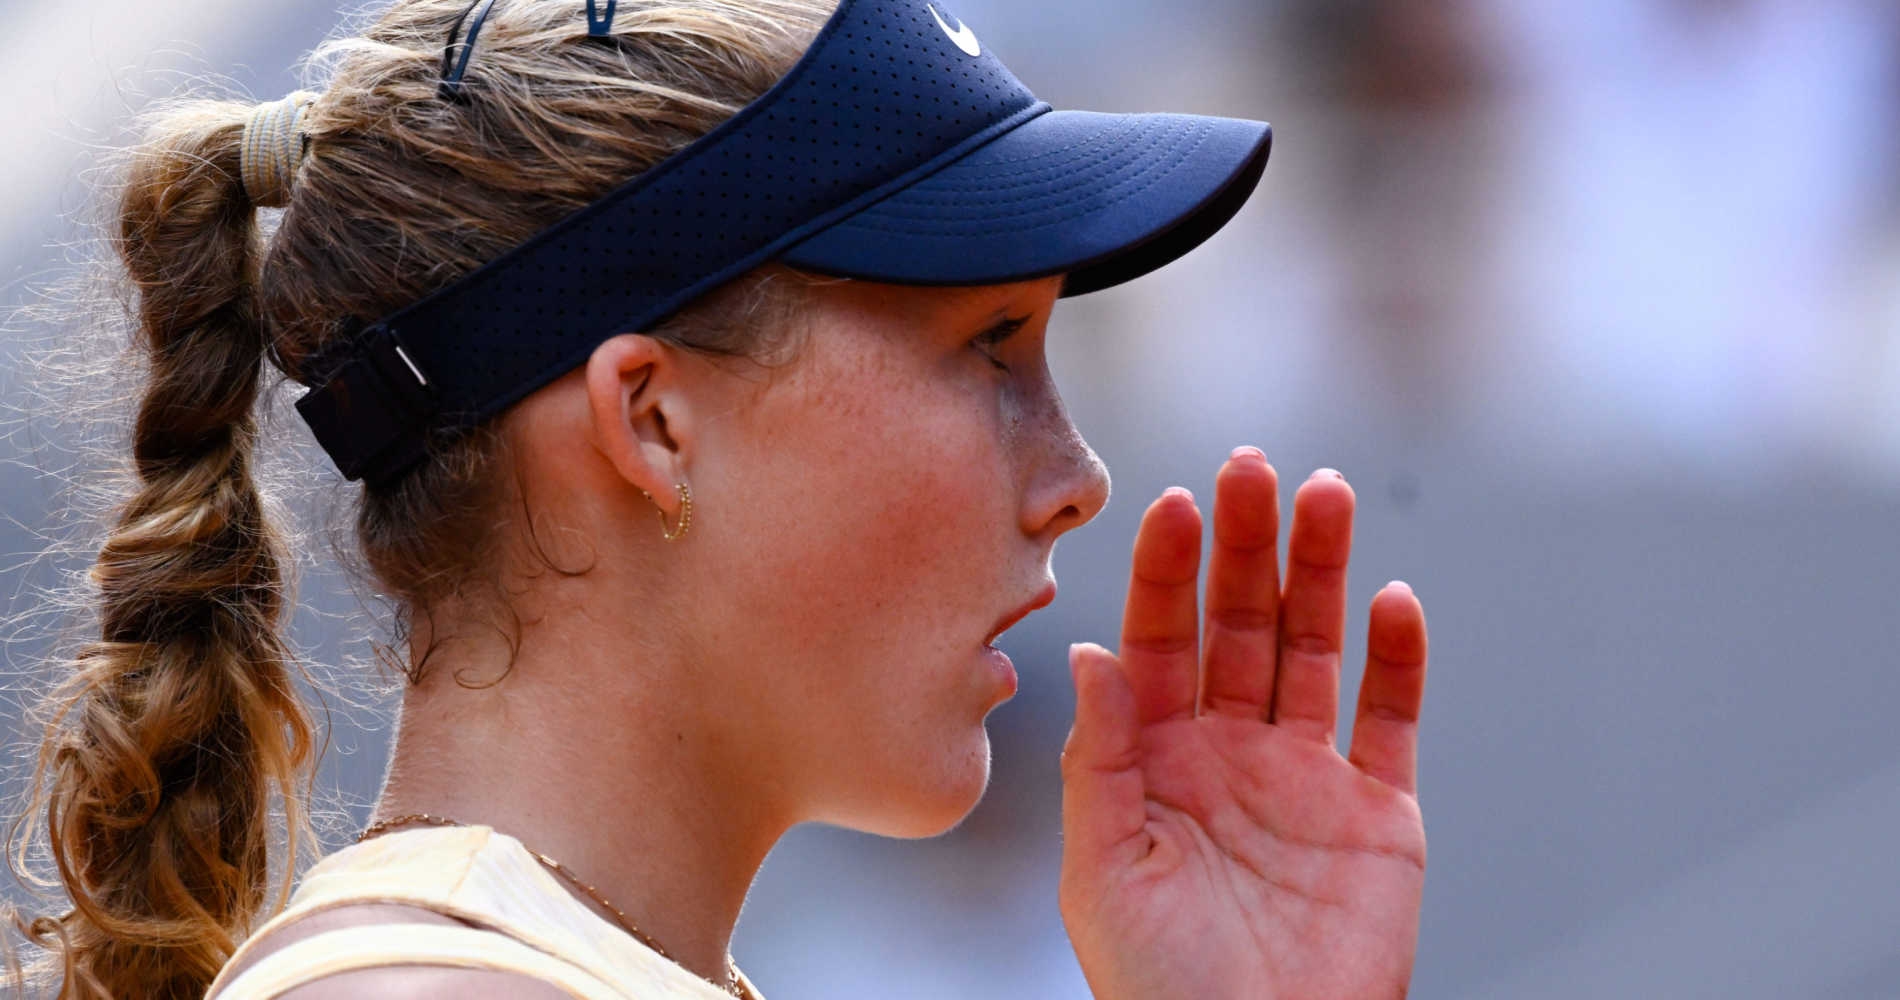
{"x": 1103, "y": 814}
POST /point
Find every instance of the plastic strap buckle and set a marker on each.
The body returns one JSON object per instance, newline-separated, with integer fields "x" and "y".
{"x": 373, "y": 414}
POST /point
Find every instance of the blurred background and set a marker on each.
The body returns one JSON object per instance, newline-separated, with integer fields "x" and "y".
{"x": 1596, "y": 305}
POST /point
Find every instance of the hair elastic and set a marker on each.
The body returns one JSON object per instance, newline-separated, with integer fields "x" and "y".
{"x": 272, "y": 147}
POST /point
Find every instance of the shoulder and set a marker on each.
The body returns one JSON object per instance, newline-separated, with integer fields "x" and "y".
{"x": 393, "y": 981}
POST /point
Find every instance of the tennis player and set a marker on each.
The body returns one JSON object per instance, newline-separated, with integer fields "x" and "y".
{"x": 690, "y": 356}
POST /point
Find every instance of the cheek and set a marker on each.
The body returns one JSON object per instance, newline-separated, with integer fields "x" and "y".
{"x": 867, "y": 537}
{"x": 877, "y": 523}
{"x": 916, "y": 500}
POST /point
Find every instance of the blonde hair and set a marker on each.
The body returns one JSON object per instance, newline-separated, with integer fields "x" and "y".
{"x": 175, "y": 731}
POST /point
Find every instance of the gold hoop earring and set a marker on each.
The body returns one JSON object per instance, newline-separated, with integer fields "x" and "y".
{"x": 686, "y": 513}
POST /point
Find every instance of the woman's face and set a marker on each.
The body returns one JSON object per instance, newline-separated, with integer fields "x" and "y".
{"x": 866, "y": 520}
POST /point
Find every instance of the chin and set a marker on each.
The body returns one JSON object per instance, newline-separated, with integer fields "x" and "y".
{"x": 934, "y": 800}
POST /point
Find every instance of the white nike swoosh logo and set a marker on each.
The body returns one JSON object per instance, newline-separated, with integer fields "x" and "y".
{"x": 963, "y": 36}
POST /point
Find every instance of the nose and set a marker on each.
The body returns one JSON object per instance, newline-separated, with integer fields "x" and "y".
{"x": 1069, "y": 485}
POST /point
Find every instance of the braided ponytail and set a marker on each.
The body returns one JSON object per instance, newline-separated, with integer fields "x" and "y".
{"x": 174, "y": 734}
{"x": 180, "y": 722}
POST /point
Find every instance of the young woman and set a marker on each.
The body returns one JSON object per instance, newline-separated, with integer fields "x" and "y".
{"x": 781, "y": 272}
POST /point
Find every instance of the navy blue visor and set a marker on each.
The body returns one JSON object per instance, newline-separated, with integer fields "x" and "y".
{"x": 897, "y": 149}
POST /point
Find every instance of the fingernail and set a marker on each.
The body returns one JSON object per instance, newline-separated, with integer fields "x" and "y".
{"x": 1327, "y": 472}
{"x": 1178, "y": 491}
{"x": 1399, "y": 585}
{"x": 1247, "y": 450}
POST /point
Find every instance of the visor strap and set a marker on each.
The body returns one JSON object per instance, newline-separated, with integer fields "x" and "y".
{"x": 376, "y": 409}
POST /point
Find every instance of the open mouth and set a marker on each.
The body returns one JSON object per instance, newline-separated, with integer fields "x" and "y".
{"x": 1041, "y": 600}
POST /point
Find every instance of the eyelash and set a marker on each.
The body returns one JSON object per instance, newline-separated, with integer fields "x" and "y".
{"x": 994, "y": 336}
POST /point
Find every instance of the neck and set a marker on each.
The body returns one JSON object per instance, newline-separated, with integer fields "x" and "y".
{"x": 632, "y": 795}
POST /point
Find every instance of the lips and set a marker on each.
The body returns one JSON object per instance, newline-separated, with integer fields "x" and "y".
{"x": 1004, "y": 624}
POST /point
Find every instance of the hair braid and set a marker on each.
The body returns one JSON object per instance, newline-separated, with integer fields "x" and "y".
{"x": 178, "y": 723}
{"x": 173, "y": 732}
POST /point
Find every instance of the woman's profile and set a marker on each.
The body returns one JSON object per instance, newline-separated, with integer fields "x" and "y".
{"x": 690, "y": 357}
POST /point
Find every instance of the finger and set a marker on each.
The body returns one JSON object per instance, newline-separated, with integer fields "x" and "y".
{"x": 1160, "y": 652}
{"x": 1313, "y": 608}
{"x": 1240, "y": 641}
{"x": 1385, "y": 728}
{"x": 1103, "y": 812}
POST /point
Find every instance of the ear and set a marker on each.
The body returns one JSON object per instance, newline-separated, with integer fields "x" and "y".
{"x": 638, "y": 414}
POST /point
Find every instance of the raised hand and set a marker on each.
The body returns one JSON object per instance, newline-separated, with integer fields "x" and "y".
{"x": 1215, "y": 843}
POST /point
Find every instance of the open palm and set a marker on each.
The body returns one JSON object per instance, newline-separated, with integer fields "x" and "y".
{"x": 1215, "y": 844}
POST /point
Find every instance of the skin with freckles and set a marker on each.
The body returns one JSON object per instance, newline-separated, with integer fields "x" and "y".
{"x": 866, "y": 517}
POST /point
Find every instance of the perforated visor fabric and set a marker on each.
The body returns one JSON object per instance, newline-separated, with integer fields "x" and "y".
{"x": 882, "y": 94}
{"x": 1103, "y": 197}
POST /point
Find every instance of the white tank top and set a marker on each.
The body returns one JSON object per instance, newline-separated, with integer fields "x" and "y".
{"x": 470, "y": 873}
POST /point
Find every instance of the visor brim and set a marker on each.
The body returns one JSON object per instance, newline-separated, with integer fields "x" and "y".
{"x": 1103, "y": 198}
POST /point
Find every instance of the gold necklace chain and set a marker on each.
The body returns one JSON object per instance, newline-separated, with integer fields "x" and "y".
{"x": 731, "y": 986}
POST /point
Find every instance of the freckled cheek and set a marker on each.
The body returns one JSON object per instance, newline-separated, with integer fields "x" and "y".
{"x": 870, "y": 483}
{"x": 908, "y": 523}
{"x": 929, "y": 493}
